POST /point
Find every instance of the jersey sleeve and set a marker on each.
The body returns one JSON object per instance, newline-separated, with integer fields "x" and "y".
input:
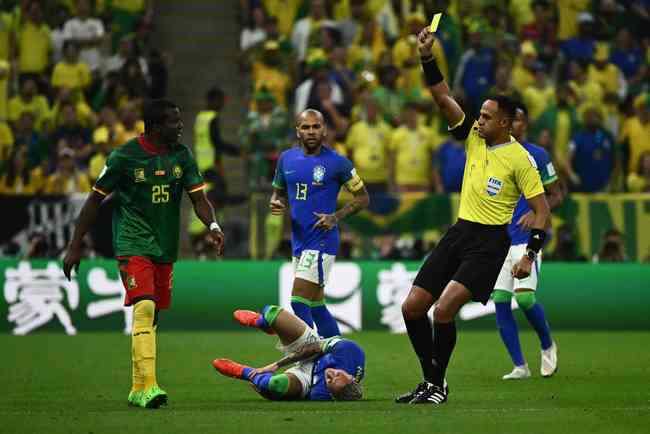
{"x": 462, "y": 129}
{"x": 110, "y": 175}
{"x": 528, "y": 178}
{"x": 279, "y": 181}
{"x": 347, "y": 176}
{"x": 192, "y": 178}
{"x": 546, "y": 168}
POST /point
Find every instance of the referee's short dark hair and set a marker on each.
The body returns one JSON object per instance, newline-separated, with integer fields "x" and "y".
{"x": 507, "y": 105}
{"x": 155, "y": 112}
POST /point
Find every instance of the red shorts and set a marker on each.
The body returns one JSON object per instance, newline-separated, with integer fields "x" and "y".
{"x": 143, "y": 278}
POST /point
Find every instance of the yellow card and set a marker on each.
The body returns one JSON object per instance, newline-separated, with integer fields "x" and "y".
{"x": 434, "y": 22}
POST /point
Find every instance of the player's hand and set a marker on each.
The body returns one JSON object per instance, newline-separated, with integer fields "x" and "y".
{"x": 71, "y": 260}
{"x": 527, "y": 220}
{"x": 521, "y": 269}
{"x": 425, "y": 42}
{"x": 277, "y": 207}
{"x": 325, "y": 221}
{"x": 217, "y": 239}
{"x": 268, "y": 368}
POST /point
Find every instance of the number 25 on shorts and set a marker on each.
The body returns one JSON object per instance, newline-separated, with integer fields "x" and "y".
{"x": 160, "y": 193}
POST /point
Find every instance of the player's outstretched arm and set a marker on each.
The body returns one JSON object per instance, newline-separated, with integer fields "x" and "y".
{"x": 435, "y": 81}
{"x": 205, "y": 212}
{"x": 86, "y": 218}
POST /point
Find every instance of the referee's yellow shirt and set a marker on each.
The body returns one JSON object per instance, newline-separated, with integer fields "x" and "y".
{"x": 494, "y": 180}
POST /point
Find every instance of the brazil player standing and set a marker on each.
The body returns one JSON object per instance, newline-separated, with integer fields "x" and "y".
{"x": 524, "y": 289}
{"x": 147, "y": 176}
{"x": 466, "y": 262}
{"x": 308, "y": 179}
{"x": 323, "y": 369}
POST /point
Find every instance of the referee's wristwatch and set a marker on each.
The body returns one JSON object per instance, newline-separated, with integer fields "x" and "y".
{"x": 531, "y": 255}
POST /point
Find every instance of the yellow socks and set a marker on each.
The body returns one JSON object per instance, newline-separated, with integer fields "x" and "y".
{"x": 143, "y": 343}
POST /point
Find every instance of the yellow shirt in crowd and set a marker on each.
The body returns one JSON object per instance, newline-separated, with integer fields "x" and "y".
{"x": 58, "y": 183}
{"x": 34, "y": 48}
{"x": 6, "y": 140}
{"x": 568, "y": 11}
{"x": 412, "y": 150}
{"x": 638, "y": 136}
{"x": 538, "y": 100}
{"x": 35, "y": 184}
{"x": 71, "y": 76}
{"x": 38, "y": 106}
{"x": 608, "y": 77}
{"x": 368, "y": 145}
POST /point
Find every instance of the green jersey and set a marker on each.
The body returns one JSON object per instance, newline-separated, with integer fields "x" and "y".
{"x": 148, "y": 185}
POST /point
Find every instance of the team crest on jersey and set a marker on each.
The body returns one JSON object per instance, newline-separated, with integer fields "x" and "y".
{"x": 177, "y": 171}
{"x": 131, "y": 283}
{"x": 138, "y": 175}
{"x": 493, "y": 186}
{"x": 319, "y": 175}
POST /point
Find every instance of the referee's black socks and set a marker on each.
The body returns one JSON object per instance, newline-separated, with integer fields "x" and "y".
{"x": 420, "y": 332}
{"x": 444, "y": 341}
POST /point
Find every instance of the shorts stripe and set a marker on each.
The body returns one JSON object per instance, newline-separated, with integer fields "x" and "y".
{"x": 320, "y": 269}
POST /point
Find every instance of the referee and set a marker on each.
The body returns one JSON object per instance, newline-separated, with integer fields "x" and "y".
{"x": 466, "y": 262}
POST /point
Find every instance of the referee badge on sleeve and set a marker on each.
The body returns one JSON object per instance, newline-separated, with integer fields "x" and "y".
{"x": 493, "y": 186}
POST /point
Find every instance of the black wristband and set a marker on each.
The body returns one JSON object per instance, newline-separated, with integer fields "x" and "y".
{"x": 536, "y": 240}
{"x": 432, "y": 74}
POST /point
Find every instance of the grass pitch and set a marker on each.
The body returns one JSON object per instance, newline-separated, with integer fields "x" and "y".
{"x": 57, "y": 384}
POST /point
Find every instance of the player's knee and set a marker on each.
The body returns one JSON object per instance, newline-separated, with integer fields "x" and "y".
{"x": 525, "y": 299}
{"x": 144, "y": 312}
{"x": 410, "y": 310}
{"x": 443, "y": 313}
{"x": 278, "y": 385}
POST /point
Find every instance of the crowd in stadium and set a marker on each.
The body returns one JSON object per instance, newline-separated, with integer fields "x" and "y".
{"x": 73, "y": 75}
{"x": 581, "y": 67}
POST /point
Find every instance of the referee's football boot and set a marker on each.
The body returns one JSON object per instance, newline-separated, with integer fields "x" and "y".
{"x": 431, "y": 394}
{"x": 409, "y": 396}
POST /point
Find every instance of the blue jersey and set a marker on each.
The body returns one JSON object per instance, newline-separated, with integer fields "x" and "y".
{"x": 312, "y": 183}
{"x": 339, "y": 354}
{"x": 548, "y": 175}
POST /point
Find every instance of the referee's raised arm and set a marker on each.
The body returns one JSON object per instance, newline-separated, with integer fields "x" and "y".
{"x": 436, "y": 82}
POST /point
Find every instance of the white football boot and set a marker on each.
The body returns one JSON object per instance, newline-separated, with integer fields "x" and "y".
{"x": 549, "y": 361}
{"x": 518, "y": 373}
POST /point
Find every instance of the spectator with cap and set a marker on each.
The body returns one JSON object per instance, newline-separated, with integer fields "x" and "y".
{"x": 267, "y": 72}
{"x": 582, "y": 46}
{"x": 319, "y": 70}
{"x": 593, "y": 154}
{"x": 602, "y": 71}
{"x": 523, "y": 73}
{"x": 67, "y": 178}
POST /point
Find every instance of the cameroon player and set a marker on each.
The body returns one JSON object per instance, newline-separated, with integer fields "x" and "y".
{"x": 466, "y": 262}
{"x": 147, "y": 176}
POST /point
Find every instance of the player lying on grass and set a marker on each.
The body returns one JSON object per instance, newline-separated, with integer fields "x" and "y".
{"x": 324, "y": 369}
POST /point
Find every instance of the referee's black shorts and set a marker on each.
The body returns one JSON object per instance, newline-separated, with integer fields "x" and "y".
{"x": 469, "y": 253}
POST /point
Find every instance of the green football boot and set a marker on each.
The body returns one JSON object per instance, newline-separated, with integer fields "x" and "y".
{"x": 134, "y": 398}
{"x": 153, "y": 397}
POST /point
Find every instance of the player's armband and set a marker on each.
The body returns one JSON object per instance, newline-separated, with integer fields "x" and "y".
{"x": 461, "y": 130}
{"x": 355, "y": 183}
